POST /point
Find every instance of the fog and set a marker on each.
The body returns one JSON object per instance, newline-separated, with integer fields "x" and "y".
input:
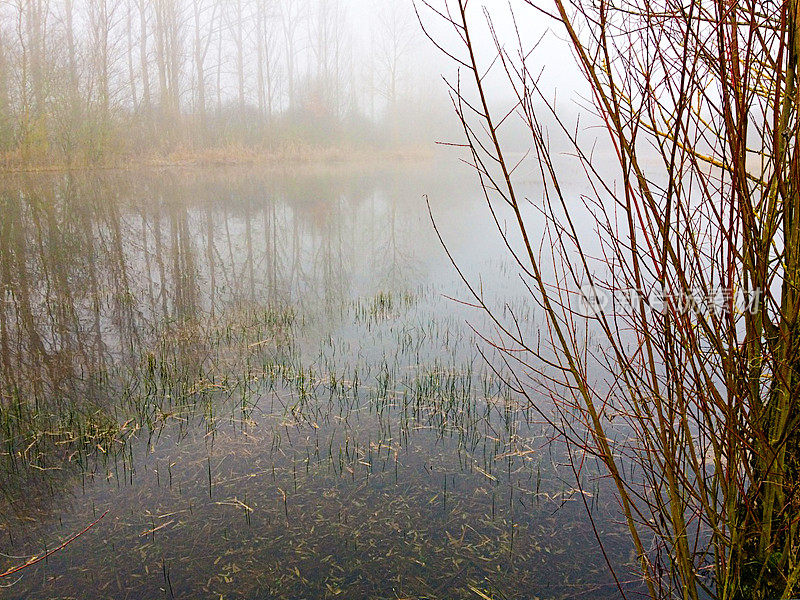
{"x": 84, "y": 78}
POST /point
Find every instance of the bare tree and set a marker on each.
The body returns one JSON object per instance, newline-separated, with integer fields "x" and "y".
{"x": 144, "y": 63}
{"x": 204, "y": 25}
{"x": 130, "y": 49}
{"x": 5, "y": 98}
{"x": 326, "y": 37}
{"x": 69, "y": 26}
{"x": 220, "y": 62}
{"x": 687, "y": 397}
{"x": 30, "y": 20}
{"x": 236, "y": 18}
{"x": 85, "y": 78}
{"x": 264, "y": 53}
{"x": 100, "y": 28}
{"x": 36, "y": 26}
{"x": 394, "y": 39}
{"x": 292, "y": 16}
{"x": 169, "y": 53}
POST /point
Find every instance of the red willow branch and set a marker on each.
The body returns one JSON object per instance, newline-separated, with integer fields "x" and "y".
{"x": 37, "y": 559}
{"x": 708, "y": 403}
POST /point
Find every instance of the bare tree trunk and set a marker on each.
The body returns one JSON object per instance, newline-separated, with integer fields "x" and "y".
{"x": 30, "y": 25}
{"x": 326, "y": 49}
{"x": 264, "y": 57}
{"x": 220, "y": 43}
{"x": 161, "y": 54}
{"x": 394, "y": 41}
{"x": 268, "y": 74}
{"x": 337, "y": 84}
{"x": 5, "y": 98}
{"x": 318, "y": 32}
{"x": 260, "y": 54}
{"x": 202, "y": 42}
{"x": 35, "y": 30}
{"x": 100, "y": 24}
{"x": 71, "y": 54}
{"x": 175, "y": 56}
{"x": 290, "y": 20}
{"x": 130, "y": 52}
{"x": 23, "y": 66}
{"x": 168, "y": 54}
{"x": 237, "y": 29}
{"x": 144, "y": 63}
{"x": 199, "y": 56}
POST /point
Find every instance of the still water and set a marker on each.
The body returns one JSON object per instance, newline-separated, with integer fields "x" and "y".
{"x": 264, "y": 384}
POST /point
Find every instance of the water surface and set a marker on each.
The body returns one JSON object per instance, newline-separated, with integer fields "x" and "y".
{"x": 271, "y": 393}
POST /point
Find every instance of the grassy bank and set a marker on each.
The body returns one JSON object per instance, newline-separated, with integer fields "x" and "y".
{"x": 291, "y": 154}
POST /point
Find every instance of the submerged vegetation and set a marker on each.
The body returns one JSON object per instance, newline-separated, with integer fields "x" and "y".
{"x": 256, "y": 422}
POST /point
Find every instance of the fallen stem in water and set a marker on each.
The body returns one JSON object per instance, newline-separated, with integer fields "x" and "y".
{"x": 36, "y": 559}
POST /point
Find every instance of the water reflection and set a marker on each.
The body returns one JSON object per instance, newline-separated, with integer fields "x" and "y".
{"x": 257, "y": 374}
{"x": 90, "y": 263}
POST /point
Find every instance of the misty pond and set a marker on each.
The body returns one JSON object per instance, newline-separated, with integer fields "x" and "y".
{"x": 258, "y": 384}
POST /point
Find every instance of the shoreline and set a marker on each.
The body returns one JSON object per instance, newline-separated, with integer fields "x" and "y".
{"x": 228, "y": 157}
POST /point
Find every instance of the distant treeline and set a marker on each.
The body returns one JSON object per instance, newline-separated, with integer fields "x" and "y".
{"x": 84, "y": 81}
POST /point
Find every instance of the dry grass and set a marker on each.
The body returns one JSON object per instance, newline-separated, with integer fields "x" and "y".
{"x": 235, "y": 154}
